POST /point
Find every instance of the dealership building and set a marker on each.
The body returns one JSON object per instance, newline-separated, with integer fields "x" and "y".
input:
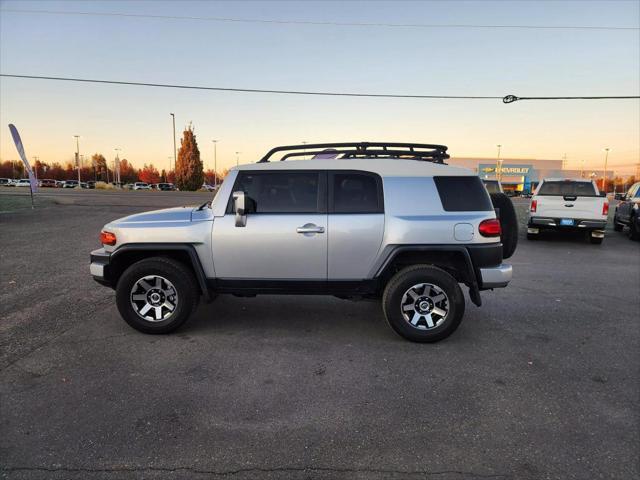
{"x": 521, "y": 174}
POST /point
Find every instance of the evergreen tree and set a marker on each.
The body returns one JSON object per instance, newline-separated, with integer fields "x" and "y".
{"x": 189, "y": 175}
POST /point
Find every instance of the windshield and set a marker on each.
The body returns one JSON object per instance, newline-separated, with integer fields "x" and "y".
{"x": 568, "y": 188}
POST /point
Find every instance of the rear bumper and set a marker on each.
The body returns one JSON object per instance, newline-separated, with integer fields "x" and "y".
{"x": 578, "y": 223}
{"x": 496, "y": 277}
{"x": 99, "y": 266}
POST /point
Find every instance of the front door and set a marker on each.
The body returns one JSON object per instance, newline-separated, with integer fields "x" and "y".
{"x": 285, "y": 237}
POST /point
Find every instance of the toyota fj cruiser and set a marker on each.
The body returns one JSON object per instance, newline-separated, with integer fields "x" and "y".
{"x": 387, "y": 221}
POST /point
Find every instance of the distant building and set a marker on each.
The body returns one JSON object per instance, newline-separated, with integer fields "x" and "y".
{"x": 521, "y": 174}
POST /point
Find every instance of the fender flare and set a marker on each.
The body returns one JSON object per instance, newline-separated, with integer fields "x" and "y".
{"x": 160, "y": 247}
{"x": 471, "y": 273}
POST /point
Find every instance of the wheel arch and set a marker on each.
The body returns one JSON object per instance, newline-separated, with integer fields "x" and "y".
{"x": 185, "y": 253}
{"x": 453, "y": 259}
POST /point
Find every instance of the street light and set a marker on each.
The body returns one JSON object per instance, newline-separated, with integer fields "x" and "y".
{"x": 604, "y": 174}
{"x": 498, "y": 163}
{"x": 77, "y": 137}
{"x": 116, "y": 166}
{"x": 175, "y": 154}
{"x": 215, "y": 163}
{"x": 238, "y": 158}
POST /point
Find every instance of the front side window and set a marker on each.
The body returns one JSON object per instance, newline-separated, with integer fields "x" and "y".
{"x": 355, "y": 192}
{"x": 281, "y": 192}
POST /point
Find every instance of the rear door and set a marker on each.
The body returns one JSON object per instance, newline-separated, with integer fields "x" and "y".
{"x": 285, "y": 237}
{"x": 569, "y": 199}
{"x": 356, "y": 223}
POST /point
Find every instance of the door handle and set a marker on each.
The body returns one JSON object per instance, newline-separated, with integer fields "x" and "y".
{"x": 310, "y": 228}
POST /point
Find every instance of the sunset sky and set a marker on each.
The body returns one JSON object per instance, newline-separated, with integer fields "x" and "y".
{"x": 367, "y": 59}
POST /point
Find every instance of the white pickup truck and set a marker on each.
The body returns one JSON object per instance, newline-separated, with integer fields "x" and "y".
{"x": 568, "y": 204}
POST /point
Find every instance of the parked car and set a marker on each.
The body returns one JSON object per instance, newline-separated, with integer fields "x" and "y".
{"x": 566, "y": 204}
{"x": 492, "y": 186}
{"x": 59, "y": 183}
{"x": 627, "y": 213}
{"x": 23, "y": 182}
{"x": 379, "y": 220}
{"x": 70, "y": 184}
{"x": 141, "y": 186}
{"x": 47, "y": 183}
{"x": 164, "y": 186}
{"x": 91, "y": 184}
{"x": 5, "y": 182}
{"x": 208, "y": 188}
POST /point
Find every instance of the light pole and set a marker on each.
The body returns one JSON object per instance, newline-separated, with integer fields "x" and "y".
{"x": 175, "y": 154}
{"x": 604, "y": 174}
{"x": 498, "y": 163}
{"x": 167, "y": 177}
{"x": 77, "y": 137}
{"x": 238, "y": 158}
{"x": 582, "y": 168}
{"x": 116, "y": 166}
{"x": 215, "y": 163}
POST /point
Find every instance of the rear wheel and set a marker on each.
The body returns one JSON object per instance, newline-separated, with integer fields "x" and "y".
{"x": 157, "y": 295}
{"x": 423, "y": 303}
{"x": 595, "y": 240}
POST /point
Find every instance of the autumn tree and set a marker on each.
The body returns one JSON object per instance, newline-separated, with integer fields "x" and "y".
{"x": 188, "y": 173}
{"x": 149, "y": 174}
{"x": 100, "y": 164}
{"x": 128, "y": 173}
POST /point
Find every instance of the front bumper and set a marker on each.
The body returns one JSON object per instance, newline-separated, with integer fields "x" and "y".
{"x": 578, "y": 223}
{"x": 99, "y": 266}
{"x": 496, "y": 277}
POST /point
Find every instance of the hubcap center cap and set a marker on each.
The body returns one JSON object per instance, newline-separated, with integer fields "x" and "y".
{"x": 155, "y": 297}
{"x": 424, "y": 305}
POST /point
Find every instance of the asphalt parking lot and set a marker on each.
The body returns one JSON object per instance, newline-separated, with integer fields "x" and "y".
{"x": 541, "y": 382}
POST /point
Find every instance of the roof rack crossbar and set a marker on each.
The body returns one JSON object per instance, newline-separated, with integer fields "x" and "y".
{"x": 418, "y": 151}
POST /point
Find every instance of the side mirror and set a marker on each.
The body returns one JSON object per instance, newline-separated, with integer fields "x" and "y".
{"x": 239, "y": 204}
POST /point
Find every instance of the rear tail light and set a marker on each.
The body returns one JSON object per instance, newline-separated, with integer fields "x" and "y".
{"x": 490, "y": 228}
{"x": 534, "y": 205}
{"x": 605, "y": 208}
{"x": 107, "y": 238}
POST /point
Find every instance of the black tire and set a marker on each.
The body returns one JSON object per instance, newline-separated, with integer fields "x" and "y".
{"x": 634, "y": 233}
{"x": 508, "y": 223}
{"x": 595, "y": 240}
{"x": 402, "y": 282}
{"x": 181, "y": 278}
{"x": 617, "y": 226}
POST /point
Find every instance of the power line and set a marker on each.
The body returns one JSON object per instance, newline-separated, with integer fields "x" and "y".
{"x": 323, "y": 23}
{"x": 505, "y": 99}
{"x": 253, "y": 90}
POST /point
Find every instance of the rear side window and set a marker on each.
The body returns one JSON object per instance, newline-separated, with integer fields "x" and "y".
{"x": 463, "y": 194}
{"x": 355, "y": 192}
{"x": 281, "y": 192}
{"x": 567, "y": 188}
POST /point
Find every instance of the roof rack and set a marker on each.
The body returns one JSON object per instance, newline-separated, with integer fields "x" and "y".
{"x": 410, "y": 151}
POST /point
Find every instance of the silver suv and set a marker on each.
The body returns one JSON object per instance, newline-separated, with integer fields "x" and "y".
{"x": 387, "y": 221}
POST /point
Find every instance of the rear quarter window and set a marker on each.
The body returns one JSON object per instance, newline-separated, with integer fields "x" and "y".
{"x": 463, "y": 194}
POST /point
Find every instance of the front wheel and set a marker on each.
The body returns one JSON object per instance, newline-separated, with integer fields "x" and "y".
{"x": 616, "y": 225}
{"x": 423, "y": 303}
{"x": 157, "y": 295}
{"x": 634, "y": 231}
